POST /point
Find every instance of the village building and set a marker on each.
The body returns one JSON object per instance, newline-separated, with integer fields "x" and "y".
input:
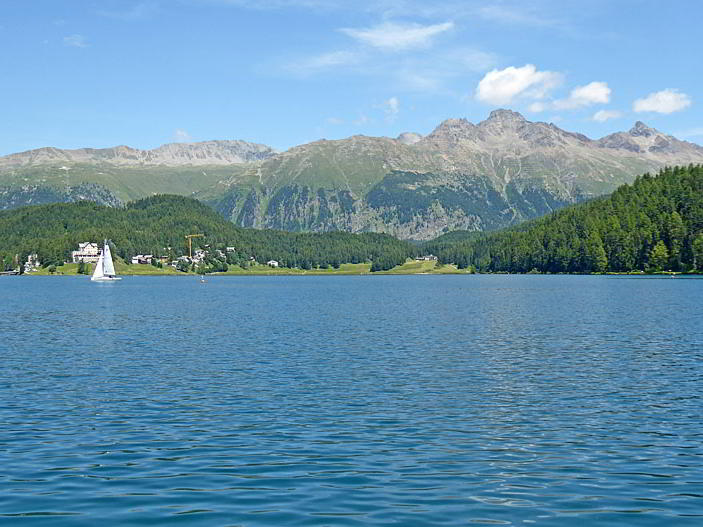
{"x": 272, "y": 263}
{"x": 143, "y": 259}
{"x": 32, "y": 263}
{"x": 88, "y": 252}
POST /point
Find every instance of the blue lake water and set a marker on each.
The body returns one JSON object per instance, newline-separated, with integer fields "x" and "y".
{"x": 351, "y": 401}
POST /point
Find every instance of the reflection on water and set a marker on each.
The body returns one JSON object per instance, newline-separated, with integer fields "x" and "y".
{"x": 391, "y": 400}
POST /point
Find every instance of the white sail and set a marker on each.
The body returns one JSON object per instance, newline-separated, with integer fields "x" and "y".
{"x": 108, "y": 267}
{"x": 105, "y": 269}
{"x": 98, "y": 272}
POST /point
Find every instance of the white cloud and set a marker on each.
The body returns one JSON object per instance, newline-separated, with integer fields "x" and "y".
{"x": 592, "y": 93}
{"x": 392, "y": 36}
{"x": 537, "y": 107}
{"x": 75, "y": 41}
{"x": 502, "y": 86}
{"x": 334, "y": 120}
{"x": 604, "y": 115}
{"x": 665, "y": 101}
{"x": 181, "y": 136}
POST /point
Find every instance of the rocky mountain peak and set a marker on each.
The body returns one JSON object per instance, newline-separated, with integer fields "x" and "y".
{"x": 452, "y": 130}
{"x": 642, "y": 130}
{"x": 409, "y": 138}
{"x": 504, "y": 115}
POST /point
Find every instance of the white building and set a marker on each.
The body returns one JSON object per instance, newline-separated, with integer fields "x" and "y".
{"x": 272, "y": 263}
{"x": 32, "y": 263}
{"x": 142, "y": 259}
{"x": 87, "y": 252}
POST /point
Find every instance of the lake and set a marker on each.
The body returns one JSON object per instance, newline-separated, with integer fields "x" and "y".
{"x": 351, "y": 401}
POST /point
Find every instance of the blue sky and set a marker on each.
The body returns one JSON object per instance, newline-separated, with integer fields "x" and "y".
{"x": 284, "y": 72}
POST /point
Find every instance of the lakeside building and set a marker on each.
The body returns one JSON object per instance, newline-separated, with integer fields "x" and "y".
{"x": 88, "y": 252}
{"x": 272, "y": 263}
{"x": 144, "y": 259}
{"x": 32, "y": 263}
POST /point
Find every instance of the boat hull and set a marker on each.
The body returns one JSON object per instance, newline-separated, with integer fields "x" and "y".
{"x": 106, "y": 279}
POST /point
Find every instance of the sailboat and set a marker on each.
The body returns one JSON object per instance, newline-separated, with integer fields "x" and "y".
{"x": 105, "y": 269}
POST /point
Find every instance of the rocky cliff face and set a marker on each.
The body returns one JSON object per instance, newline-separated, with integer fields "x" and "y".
{"x": 488, "y": 175}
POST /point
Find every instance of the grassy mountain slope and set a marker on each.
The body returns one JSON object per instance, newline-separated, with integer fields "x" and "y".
{"x": 499, "y": 172}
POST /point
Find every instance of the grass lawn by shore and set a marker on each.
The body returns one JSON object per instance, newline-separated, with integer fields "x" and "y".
{"x": 409, "y": 267}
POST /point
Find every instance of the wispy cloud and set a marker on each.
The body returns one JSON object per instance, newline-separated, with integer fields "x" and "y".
{"x": 504, "y": 86}
{"x": 362, "y": 120}
{"x": 535, "y": 14}
{"x": 391, "y": 36}
{"x": 332, "y": 59}
{"x": 269, "y": 5}
{"x": 665, "y": 101}
{"x": 391, "y": 107}
{"x": 429, "y": 71}
{"x": 181, "y": 136}
{"x": 514, "y": 15}
{"x": 75, "y": 41}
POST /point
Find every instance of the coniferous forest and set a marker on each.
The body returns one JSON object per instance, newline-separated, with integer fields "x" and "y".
{"x": 652, "y": 225}
{"x": 158, "y": 225}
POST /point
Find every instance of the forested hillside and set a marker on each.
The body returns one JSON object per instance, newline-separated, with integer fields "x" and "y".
{"x": 654, "y": 224}
{"x": 154, "y": 224}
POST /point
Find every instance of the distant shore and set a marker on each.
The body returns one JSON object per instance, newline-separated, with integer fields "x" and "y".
{"x": 411, "y": 267}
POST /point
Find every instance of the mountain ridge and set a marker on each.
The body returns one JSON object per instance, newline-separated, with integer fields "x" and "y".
{"x": 214, "y": 152}
{"x": 462, "y": 175}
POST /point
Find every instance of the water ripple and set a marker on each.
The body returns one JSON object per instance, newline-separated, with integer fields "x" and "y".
{"x": 497, "y": 400}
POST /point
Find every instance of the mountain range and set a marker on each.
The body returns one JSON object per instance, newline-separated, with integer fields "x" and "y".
{"x": 468, "y": 176}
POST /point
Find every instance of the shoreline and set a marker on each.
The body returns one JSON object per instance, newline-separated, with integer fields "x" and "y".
{"x": 452, "y": 270}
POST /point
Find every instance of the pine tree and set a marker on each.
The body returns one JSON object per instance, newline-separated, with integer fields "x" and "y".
{"x": 659, "y": 257}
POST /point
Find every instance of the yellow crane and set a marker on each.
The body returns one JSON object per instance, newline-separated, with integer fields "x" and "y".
{"x": 190, "y": 237}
